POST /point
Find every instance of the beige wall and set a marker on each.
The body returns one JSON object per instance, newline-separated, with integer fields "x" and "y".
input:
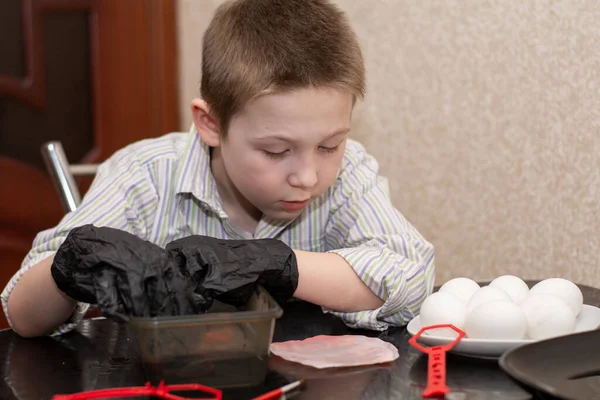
{"x": 485, "y": 115}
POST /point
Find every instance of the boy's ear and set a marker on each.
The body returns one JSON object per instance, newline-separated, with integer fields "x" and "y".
{"x": 205, "y": 123}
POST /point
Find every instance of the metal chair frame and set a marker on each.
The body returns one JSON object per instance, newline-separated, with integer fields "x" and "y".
{"x": 63, "y": 174}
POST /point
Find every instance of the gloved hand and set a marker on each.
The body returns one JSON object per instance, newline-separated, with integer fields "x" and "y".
{"x": 128, "y": 276}
{"x": 234, "y": 267}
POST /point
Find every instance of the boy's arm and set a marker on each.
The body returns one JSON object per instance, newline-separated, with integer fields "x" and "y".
{"x": 36, "y": 306}
{"x": 385, "y": 252}
{"x": 32, "y": 303}
{"x": 328, "y": 280}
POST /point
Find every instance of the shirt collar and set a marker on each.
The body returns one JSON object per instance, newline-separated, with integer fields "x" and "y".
{"x": 194, "y": 175}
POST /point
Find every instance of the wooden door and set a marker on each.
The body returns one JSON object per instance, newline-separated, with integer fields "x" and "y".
{"x": 94, "y": 74}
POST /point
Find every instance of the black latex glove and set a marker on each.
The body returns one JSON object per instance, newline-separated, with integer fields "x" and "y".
{"x": 124, "y": 275}
{"x": 234, "y": 267}
{"x": 127, "y": 276}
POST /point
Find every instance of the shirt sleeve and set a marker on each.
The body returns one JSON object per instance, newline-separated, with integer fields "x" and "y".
{"x": 384, "y": 249}
{"x": 121, "y": 196}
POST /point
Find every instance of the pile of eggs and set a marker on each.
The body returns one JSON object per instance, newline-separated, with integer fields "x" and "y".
{"x": 506, "y": 309}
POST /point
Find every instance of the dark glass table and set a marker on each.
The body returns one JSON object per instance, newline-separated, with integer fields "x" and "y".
{"x": 100, "y": 354}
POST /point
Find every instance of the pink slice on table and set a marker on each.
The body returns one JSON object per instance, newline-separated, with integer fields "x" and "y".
{"x": 336, "y": 351}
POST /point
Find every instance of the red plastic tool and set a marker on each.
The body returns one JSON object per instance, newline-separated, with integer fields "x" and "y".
{"x": 282, "y": 391}
{"x": 436, "y": 368}
{"x": 161, "y": 391}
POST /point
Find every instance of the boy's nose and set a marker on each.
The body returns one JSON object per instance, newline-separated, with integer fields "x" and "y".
{"x": 304, "y": 177}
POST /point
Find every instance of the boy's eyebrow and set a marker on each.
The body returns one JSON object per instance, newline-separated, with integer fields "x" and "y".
{"x": 342, "y": 131}
{"x": 284, "y": 138}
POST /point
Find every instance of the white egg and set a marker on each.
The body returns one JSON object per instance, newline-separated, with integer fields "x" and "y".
{"x": 443, "y": 308}
{"x": 498, "y": 319}
{"x": 460, "y": 287}
{"x": 486, "y": 294}
{"x": 547, "y": 316}
{"x": 563, "y": 288}
{"x": 516, "y": 288}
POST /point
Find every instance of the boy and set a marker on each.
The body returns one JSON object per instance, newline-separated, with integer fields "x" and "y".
{"x": 268, "y": 156}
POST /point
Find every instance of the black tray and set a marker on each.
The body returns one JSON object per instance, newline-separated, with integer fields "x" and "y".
{"x": 566, "y": 367}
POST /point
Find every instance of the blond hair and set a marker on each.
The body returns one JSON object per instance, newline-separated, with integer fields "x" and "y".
{"x": 254, "y": 47}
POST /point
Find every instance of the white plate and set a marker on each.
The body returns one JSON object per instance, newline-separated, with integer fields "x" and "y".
{"x": 588, "y": 319}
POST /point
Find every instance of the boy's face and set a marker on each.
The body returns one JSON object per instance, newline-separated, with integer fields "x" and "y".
{"x": 284, "y": 149}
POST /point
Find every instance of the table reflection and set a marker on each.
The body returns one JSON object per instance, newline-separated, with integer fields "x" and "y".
{"x": 97, "y": 355}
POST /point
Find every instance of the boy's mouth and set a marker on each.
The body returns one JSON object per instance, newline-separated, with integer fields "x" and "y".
{"x": 294, "y": 205}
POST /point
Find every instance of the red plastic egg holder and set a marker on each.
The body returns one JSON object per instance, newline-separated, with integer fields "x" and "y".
{"x": 162, "y": 391}
{"x": 436, "y": 365}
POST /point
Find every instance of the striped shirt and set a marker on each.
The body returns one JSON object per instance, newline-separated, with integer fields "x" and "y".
{"x": 162, "y": 189}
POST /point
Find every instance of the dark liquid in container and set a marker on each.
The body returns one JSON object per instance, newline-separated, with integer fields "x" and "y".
{"x": 216, "y": 370}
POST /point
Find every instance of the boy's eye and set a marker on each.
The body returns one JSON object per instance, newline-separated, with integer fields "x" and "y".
{"x": 281, "y": 154}
{"x": 271, "y": 154}
{"x": 329, "y": 149}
